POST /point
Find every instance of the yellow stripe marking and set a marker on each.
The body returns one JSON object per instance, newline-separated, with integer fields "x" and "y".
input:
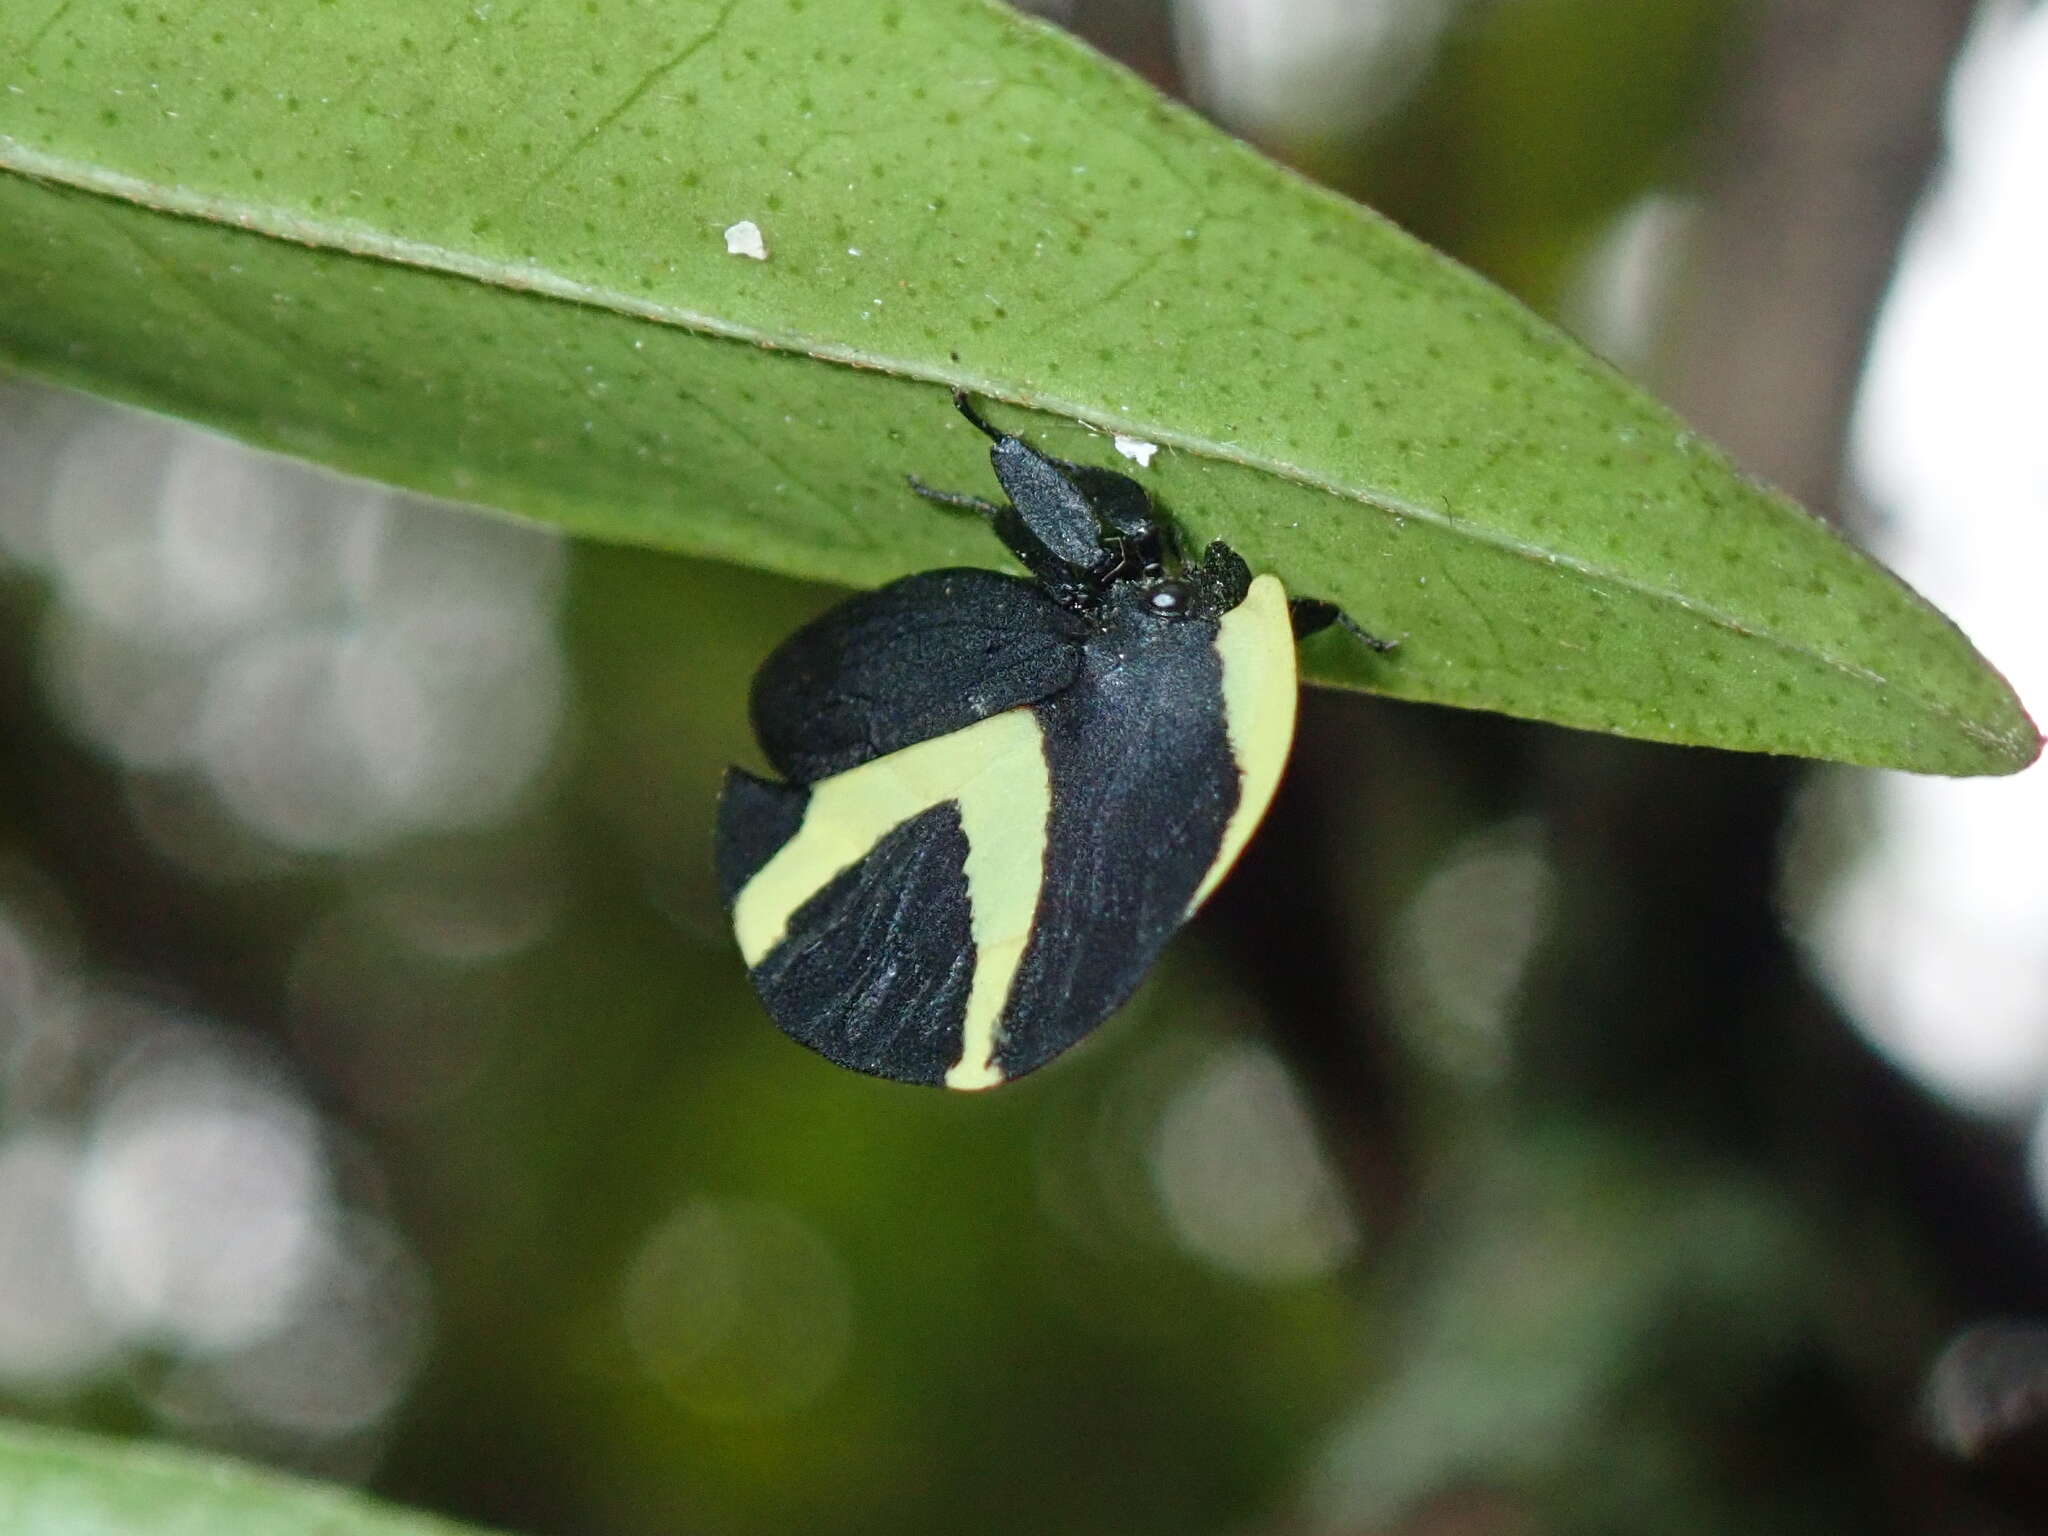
{"x": 995, "y": 771}
{"x": 1256, "y": 641}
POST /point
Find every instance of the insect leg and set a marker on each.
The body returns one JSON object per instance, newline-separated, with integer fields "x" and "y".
{"x": 1222, "y": 577}
{"x": 1312, "y": 615}
{"x": 966, "y": 408}
{"x": 1067, "y": 585}
{"x": 956, "y": 499}
{"x": 1170, "y": 551}
{"x": 1140, "y": 539}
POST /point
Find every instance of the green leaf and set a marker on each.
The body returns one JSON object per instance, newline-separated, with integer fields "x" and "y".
{"x": 58, "y": 1484}
{"x": 479, "y": 250}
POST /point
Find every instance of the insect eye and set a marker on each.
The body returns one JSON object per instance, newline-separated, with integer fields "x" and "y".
{"x": 1169, "y": 598}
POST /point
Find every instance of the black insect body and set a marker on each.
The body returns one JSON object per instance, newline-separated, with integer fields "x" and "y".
{"x": 1004, "y": 796}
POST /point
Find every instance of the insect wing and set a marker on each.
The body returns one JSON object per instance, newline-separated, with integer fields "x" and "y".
{"x": 883, "y": 911}
{"x": 911, "y": 661}
{"x": 1164, "y": 759}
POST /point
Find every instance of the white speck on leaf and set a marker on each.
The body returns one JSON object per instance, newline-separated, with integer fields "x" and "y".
{"x": 744, "y": 239}
{"x": 1136, "y": 449}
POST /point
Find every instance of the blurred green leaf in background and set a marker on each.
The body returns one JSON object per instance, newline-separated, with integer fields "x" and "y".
{"x": 380, "y": 1097}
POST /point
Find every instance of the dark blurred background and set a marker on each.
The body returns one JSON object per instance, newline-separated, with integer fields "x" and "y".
{"x": 1540, "y": 1133}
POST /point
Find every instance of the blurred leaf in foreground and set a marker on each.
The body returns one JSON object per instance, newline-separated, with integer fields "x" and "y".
{"x": 59, "y": 1485}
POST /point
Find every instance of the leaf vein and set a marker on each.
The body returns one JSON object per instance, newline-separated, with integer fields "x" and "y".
{"x": 629, "y": 101}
